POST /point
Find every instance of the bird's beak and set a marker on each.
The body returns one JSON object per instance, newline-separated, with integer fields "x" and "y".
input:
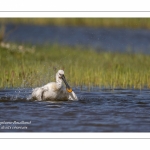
{"x": 67, "y": 85}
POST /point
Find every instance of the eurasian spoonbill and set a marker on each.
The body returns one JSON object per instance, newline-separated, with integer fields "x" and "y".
{"x": 55, "y": 90}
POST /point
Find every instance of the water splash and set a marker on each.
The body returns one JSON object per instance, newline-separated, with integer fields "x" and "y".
{"x": 15, "y": 94}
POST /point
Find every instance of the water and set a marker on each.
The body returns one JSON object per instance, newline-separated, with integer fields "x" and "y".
{"x": 101, "y": 110}
{"x": 108, "y": 39}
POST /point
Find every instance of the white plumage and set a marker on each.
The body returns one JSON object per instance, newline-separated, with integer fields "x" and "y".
{"x": 55, "y": 90}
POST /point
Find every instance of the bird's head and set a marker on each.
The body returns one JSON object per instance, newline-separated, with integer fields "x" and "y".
{"x": 60, "y": 75}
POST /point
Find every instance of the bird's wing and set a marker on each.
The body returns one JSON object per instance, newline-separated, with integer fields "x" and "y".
{"x": 37, "y": 93}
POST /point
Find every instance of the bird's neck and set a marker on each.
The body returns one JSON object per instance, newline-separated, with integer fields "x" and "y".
{"x": 59, "y": 82}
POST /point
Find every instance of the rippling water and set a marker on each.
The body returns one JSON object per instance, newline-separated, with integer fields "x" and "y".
{"x": 96, "y": 111}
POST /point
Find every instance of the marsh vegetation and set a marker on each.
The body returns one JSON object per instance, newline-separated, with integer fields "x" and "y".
{"x": 29, "y": 66}
{"x": 89, "y": 22}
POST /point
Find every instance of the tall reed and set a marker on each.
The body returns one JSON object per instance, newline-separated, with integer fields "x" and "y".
{"x": 2, "y": 32}
{"x": 89, "y": 22}
{"x": 82, "y": 66}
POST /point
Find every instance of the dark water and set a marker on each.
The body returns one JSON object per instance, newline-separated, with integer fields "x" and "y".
{"x": 109, "y": 39}
{"x": 96, "y": 111}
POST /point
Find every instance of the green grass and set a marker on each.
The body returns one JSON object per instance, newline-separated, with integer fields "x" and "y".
{"x": 90, "y": 22}
{"x": 2, "y": 32}
{"x": 30, "y": 67}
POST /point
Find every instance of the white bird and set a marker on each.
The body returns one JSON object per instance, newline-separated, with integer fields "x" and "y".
{"x": 55, "y": 90}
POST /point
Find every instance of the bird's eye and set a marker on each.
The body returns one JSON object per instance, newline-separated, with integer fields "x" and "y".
{"x": 60, "y": 74}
